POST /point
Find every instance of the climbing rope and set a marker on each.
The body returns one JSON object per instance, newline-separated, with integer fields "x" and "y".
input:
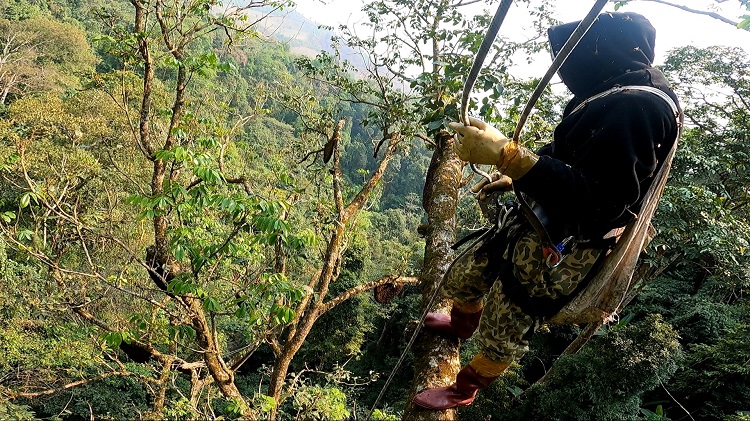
{"x": 471, "y": 79}
{"x": 418, "y": 327}
{"x": 559, "y": 60}
{"x": 481, "y": 55}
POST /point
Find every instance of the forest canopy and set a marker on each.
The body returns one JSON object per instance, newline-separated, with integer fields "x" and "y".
{"x": 195, "y": 222}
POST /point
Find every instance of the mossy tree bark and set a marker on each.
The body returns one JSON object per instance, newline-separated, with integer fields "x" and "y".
{"x": 436, "y": 359}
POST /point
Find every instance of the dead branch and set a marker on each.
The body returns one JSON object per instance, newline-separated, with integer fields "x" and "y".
{"x": 49, "y": 392}
{"x": 696, "y": 11}
{"x": 365, "y": 287}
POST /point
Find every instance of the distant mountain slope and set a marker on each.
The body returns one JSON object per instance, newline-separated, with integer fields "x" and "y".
{"x": 303, "y": 36}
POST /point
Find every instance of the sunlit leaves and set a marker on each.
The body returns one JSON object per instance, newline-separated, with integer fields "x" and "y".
{"x": 268, "y": 300}
{"x": 27, "y": 198}
{"x": 205, "y": 64}
{"x": 7, "y": 216}
{"x": 745, "y": 22}
{"x": 705, "y": 207}
{"x": 114, "y": 339}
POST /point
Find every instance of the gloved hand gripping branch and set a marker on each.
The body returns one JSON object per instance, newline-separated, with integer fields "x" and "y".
{"x": 481, "y": 143}
{"x": 499, "y": 183}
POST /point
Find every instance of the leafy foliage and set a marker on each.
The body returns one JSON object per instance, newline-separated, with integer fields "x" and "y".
{"x": 136, "y": 237}
{"x": 607, "y": 378}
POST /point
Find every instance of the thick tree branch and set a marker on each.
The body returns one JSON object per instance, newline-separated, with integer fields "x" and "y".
{"x": 365, "y": 287}
{"x": 148, "y": 78}
{"x": 359, "y": 200}
{"x": 337, "y": 177}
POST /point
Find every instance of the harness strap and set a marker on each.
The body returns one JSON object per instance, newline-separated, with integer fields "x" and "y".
{"x": 554, "y": 253}
{"x": 617, "y": 89}
{"x": 542, "y": 307}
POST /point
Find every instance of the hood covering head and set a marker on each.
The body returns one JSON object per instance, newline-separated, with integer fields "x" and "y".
{"x": 617, "y": 44}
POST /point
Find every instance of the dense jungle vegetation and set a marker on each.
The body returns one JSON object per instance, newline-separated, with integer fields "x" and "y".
{"x": 196, "y": 223}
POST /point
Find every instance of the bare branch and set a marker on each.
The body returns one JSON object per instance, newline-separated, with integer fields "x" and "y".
{"x": 337, "y": 184}
{"x": 696, "y": 11}
{"x": 359, "y": 200}
{"x": 365, "y": 287}
{"x": 49, "y": 392}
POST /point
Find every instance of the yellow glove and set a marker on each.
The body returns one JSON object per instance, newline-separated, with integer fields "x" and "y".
{"x": 515, "y": 160}
{"x": 481, "y": 143}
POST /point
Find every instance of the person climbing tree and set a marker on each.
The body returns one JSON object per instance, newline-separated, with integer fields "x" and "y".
{"x": 615, "y": 134}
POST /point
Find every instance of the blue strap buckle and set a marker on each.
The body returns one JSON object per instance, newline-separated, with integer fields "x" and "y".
{"x": 554, "y": 258}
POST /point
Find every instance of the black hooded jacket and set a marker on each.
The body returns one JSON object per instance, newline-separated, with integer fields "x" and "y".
{"x": 592, "y": 177}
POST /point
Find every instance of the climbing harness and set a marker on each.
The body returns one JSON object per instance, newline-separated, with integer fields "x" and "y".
{"x": 553, "y": 253}
{"x": 559, "y": 60}
{"x": 656, "y": 91}
{"x": 605, "y": 294}
{"x": 603, "y": 290}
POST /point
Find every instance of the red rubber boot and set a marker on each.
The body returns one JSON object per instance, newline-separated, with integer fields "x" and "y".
{"x": 460, "y": 393}
{"x": 457, "y": 325}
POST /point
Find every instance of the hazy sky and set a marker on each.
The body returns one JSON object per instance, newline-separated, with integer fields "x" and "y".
{"x": 675, "y": 28}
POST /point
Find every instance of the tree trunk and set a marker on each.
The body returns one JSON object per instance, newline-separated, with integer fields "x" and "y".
{"x": 297, "y": 336}
{"x": 312, "y": 308}
{"x": 222, "y": 375}
{"x": 160, "y": 394}
{"x": 436, "y": 359}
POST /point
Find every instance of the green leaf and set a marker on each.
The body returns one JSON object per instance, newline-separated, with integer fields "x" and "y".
{"x": 186, "y": 332}
{"x": 620, "y": 4}
{"x": 287, "y": 315}
{"x": 179, "y": 252}
{"x": 164, "y": 155}
{"x": 25, "y": 235}
{"x": 514, "y": 390}
{"x": 225, "y": 66}
{"x": 27, "y": 198}
{"x": 7, "y": 217}
{"x": 211, "y": 304}
{"x": 112, "y": 339}
{"x": 180, "y": 154}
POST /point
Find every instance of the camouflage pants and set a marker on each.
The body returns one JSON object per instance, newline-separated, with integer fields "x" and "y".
{"x": 504, "y": 327}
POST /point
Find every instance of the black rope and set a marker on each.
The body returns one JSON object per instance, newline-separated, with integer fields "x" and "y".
{"x": 471, "y": 79}
{"x": 484, "y": 49}
{"x": 559, "y": 60}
